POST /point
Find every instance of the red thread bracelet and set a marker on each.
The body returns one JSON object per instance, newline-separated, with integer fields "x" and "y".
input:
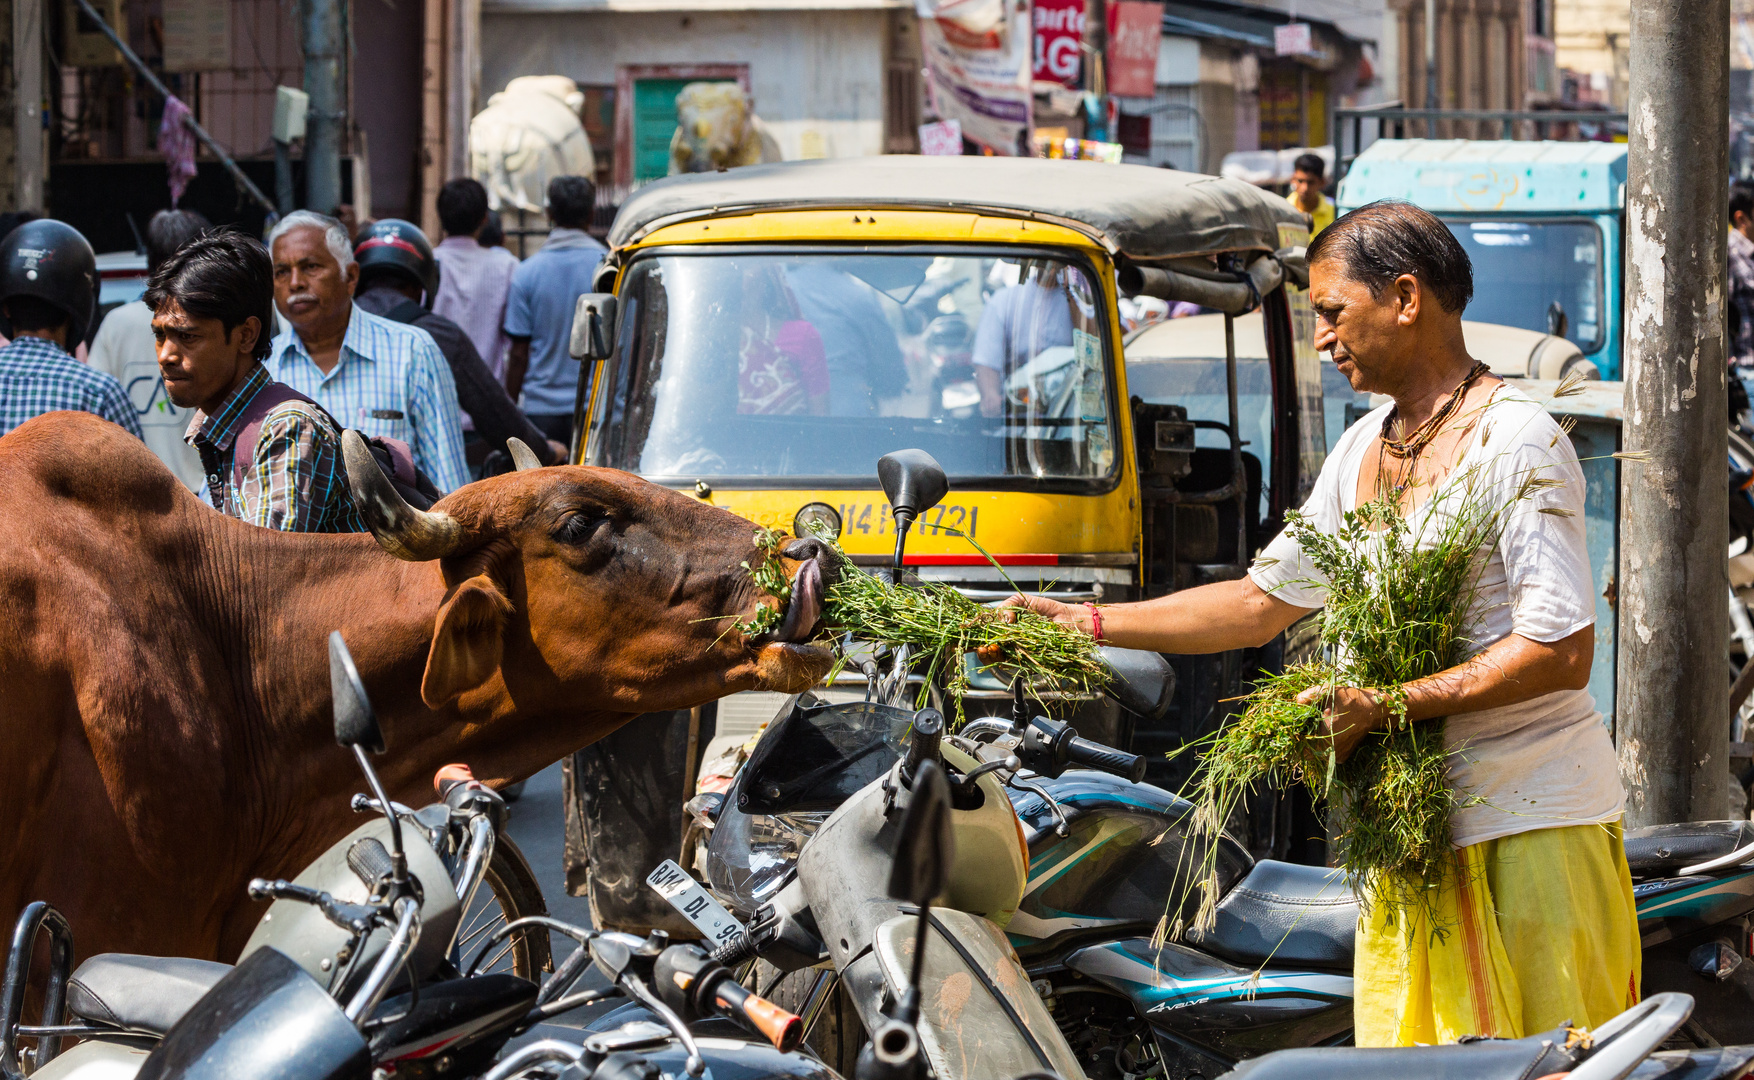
{"x": 1095, "y": 621}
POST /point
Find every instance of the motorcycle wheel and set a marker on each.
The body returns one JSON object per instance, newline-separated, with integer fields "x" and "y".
{"x": 508, "y": 892}
{"x": 837, "y": 1034}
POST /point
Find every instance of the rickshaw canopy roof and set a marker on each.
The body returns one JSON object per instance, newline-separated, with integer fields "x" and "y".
{"x": 1141, "y": 212}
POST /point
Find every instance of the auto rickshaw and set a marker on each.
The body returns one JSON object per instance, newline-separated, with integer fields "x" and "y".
{"x": 763, "y": 335}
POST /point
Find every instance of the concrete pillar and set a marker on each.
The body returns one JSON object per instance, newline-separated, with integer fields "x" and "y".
{"x": 27, "y": 104}
{"x": 1672, "y": 705}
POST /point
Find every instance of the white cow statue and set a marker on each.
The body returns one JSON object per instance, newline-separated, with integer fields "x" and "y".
{"x": 529, "y": 134}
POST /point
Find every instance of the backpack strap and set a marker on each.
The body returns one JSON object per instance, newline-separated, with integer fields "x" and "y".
{"x": 267, "y": 399}
{"x": 393, "y": 456}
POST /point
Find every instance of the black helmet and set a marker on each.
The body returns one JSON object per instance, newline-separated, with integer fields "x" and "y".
{"x": 51, "y": 261}
{"x": 397, "y": 245}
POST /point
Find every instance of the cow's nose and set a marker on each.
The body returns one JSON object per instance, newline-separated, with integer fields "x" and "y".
{"x": 805, "y": 549}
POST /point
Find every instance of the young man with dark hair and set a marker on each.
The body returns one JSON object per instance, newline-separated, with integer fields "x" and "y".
{"x": 538, "y": 314}
{"x": 272, "y": 456}
{"x": 1532, "y": 925}
{"x": 125, "y": 348}
{"x": 477, "y": 277}
{"x": 1741, "y": 273}
{"x": 1308, "y": 177}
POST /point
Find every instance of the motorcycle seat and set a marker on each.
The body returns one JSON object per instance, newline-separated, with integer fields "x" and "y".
{"x": 1286, "y": 914}
{"x": 139, "y": 993}
{"x": 1482, "y": 1059}
{"x": 1659, "y": 850}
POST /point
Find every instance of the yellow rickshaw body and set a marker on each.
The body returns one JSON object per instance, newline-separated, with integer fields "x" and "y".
{"x": 1017, "y": 528}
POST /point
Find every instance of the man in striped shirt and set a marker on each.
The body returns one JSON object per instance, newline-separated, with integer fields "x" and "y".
{"x": 271, "y": 456}
{"x": 381, "y": 377}
{"x": 48, "y": 283}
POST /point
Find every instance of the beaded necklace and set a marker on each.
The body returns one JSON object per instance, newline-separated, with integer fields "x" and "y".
{"x": 1409, "y": 448}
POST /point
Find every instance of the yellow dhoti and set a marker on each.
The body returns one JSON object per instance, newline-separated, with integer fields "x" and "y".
{"x": 1532, "y": 930}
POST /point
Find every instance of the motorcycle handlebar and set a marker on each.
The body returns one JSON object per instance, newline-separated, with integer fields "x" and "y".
{"x": 785, "y": 1030}
{"x": 1093, "y": 755}
{"x": 928, "y": 732}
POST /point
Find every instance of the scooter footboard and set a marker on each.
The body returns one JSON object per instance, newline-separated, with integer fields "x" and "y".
{"x": 979, "y": 1016}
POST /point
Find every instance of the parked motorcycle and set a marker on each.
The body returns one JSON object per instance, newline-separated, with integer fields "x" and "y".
{"x": 369, "y": 910}
{"x": 1105, "y": 856}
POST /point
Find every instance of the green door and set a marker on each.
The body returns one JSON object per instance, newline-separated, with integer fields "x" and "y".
{"x": 654, "y": 123}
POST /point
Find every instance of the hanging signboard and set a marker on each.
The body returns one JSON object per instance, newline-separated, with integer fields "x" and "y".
{"x": 943, "y": 139}
{"x": 979, "y": 72}
{"x": 1132, "y": 47}
{"x": 1059, "y": 30}
{"x": 1292, "y": 39}
{"x": 197, "y": 35}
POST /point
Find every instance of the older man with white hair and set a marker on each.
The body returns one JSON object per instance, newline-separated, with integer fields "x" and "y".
{"x": 381, "y": 377}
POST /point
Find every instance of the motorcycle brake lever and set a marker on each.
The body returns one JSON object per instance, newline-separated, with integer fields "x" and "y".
{"x": 358, "y": 918}
{"x": 1061, "y": 828}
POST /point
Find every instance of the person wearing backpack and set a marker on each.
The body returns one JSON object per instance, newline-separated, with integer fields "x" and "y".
{"x": 271, "y": 455}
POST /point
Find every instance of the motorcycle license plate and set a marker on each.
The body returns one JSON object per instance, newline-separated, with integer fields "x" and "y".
{"x": 696, "y": 905}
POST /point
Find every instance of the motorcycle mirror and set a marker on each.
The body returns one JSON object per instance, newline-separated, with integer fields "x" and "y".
{"x": 923, "y": 847}
{"x": 913, "y": 481}
{"x": 1142, "y": 682}
{"x": 356, "y": 728}
{"x": 355, "y": 723}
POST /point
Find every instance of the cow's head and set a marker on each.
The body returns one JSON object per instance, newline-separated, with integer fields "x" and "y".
{"x": 592, "y": 586}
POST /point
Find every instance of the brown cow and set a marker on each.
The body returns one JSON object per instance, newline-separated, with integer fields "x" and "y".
{"x": 165, "y": 732}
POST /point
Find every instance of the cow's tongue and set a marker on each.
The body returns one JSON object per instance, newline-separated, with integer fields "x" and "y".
{"x": 806, "y": 606}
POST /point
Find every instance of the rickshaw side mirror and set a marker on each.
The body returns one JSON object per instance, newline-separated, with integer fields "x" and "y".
{"x": 593, "y": 327}
{"x": 913, "y": 481}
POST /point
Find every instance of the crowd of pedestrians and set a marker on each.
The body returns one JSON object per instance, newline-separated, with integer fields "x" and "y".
{"x": 244, "y": 361}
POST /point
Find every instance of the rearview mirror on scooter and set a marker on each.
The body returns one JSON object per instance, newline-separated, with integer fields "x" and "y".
{"x": 356, "y": 725}
{"x": 1142, "y": 682}
{"x": 914, "y": 482}
{"x": 356, "y": 728}
{"x": 923, "y": 846}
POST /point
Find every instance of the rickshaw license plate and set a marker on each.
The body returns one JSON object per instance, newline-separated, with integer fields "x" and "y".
{"x": 690, "y": 898}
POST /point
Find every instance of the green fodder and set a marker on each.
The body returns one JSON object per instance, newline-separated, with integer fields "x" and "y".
{"x": 1397, "y": 604}
{"x": 940, "y": 625}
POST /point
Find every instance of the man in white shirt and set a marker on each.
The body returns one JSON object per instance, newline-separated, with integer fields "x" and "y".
{"x": 1542, "y": 930}
{"x": 475, "y": 280}
{"x": 124, "y": 348}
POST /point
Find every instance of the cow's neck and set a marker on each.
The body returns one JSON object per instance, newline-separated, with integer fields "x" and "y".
{"x": 386, "y": 610}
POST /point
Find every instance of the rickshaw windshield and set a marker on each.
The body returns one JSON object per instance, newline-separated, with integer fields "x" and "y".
{"x": 772, "y": 366}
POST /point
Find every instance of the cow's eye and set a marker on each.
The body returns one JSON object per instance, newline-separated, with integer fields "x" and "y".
{"x": 579, "y": 526}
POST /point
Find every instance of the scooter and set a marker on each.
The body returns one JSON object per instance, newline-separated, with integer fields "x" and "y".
{"x": 368, "y": 909}
{"x": 1106, "y": 854}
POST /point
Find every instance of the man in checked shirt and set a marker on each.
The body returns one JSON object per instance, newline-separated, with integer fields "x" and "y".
{"x": 272, "y": 456}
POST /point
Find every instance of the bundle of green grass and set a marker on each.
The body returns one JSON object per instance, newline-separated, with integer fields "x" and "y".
{"x": 940, "y": 626}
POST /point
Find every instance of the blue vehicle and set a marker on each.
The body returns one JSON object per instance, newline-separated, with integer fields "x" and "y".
{"x": 1543, "y": 223}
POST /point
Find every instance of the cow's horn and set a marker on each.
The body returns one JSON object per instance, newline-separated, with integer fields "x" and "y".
{"x": 522, "y": 456}
{"x": 400, "y": 529}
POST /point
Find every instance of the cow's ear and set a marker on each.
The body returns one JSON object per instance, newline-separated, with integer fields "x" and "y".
{"x": 467, "y": 642}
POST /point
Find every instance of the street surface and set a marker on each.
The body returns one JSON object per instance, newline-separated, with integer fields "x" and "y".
{"x": 538, "y": 827}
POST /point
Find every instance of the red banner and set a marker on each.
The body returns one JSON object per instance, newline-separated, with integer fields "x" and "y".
{"x": 1059, "y": 28}
{"x": 1136, "y": 31}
